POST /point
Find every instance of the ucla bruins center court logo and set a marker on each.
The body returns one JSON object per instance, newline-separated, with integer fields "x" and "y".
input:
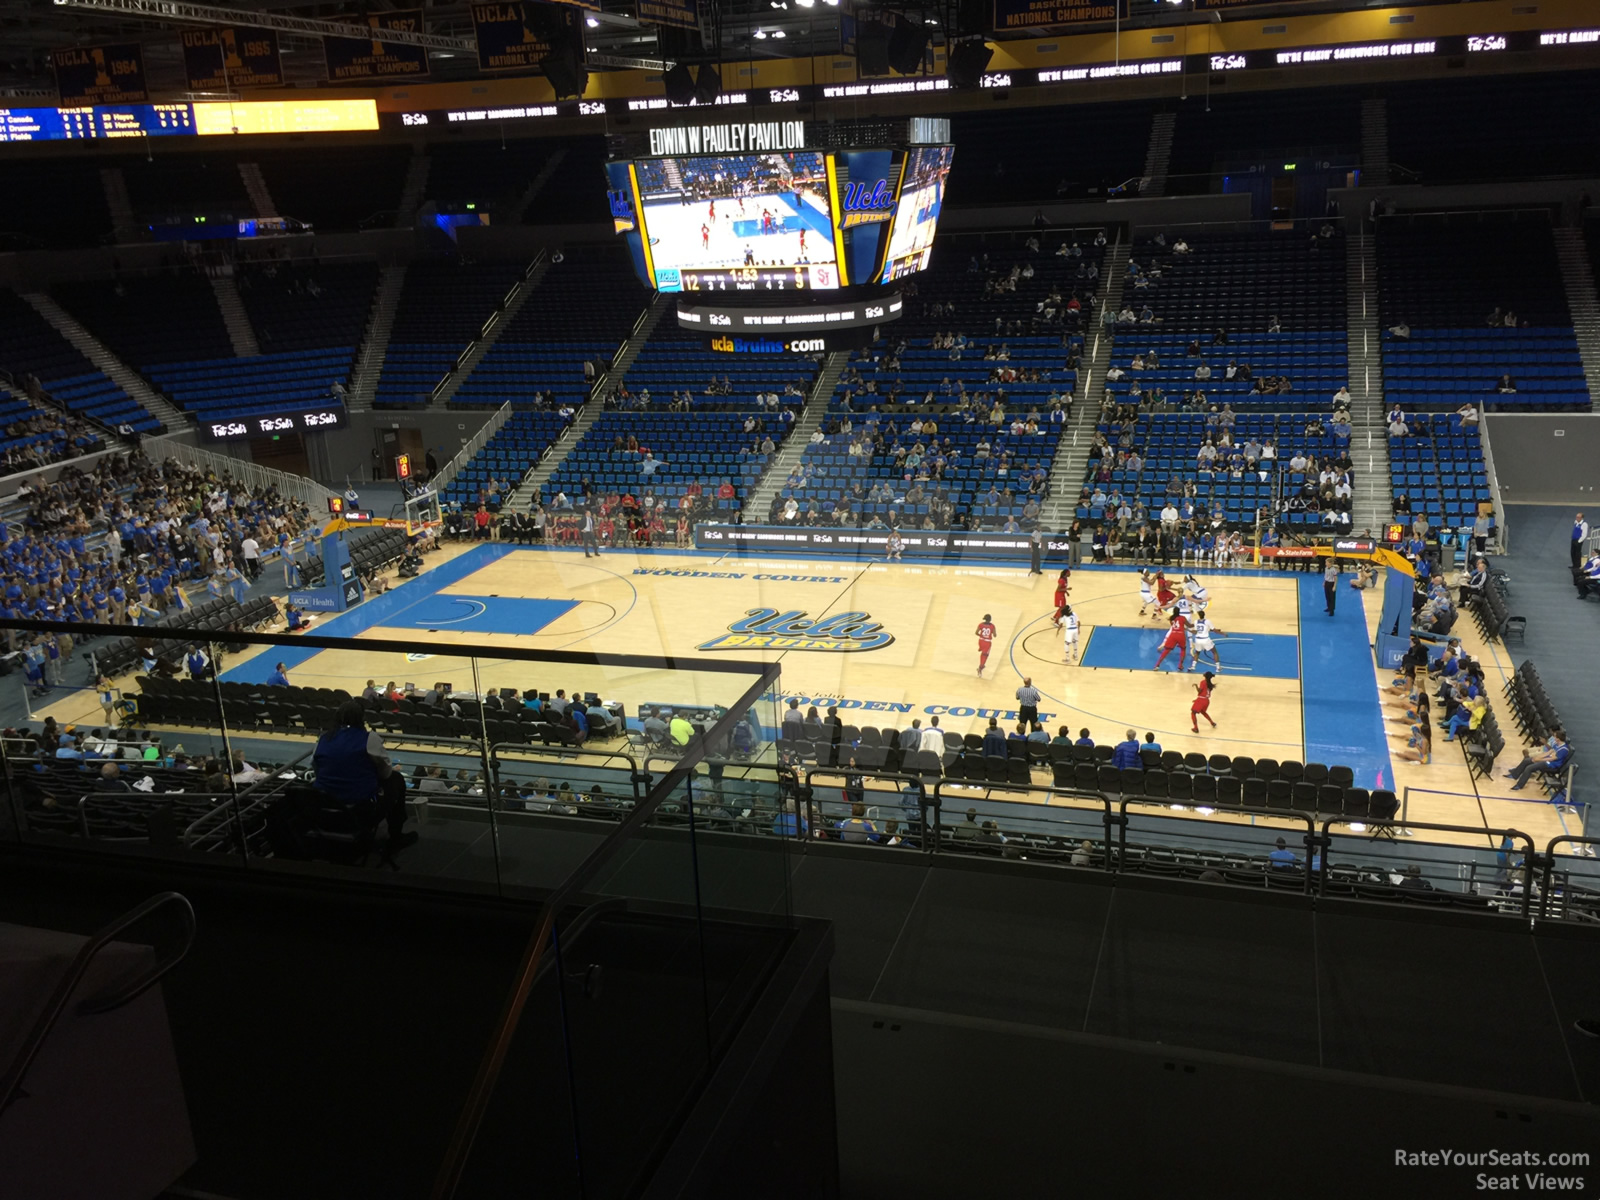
{"x": 769, "y": 629}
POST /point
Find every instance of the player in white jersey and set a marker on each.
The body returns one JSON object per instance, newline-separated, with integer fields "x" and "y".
{"x": 1185, "y": 605}
{"x": 1069, "y": 630}
{"x": 1197, "y": 591}
{"x": 1147, "y": 591}
{"x": 1204, "y": 632}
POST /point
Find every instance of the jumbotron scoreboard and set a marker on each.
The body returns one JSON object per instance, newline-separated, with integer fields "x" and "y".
{"x": 767, "y": 236}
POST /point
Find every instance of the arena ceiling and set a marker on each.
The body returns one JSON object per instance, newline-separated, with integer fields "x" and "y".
{"x": 31, "y": 29}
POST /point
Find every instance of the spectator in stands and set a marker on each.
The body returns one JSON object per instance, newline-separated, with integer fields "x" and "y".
{"x": 1126, "y": 754}
{"x": 1505, "y": 385}
{"x": 680, "y": 731}
{"x": 1281, "y": 856}
{"x": 1400, "y": 329}
{"x": 656, "y": 731}
{"x": 352, "y": 769}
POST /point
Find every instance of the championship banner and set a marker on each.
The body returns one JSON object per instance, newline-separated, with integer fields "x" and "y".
{"x": 1011, "y": 15}
{"x": 216, "y": 60}
{"x": 681, "y": 14}
{"x": 514, "y": 36}
{"x": 100, "y": 74}
{"x": 356, "y": 59}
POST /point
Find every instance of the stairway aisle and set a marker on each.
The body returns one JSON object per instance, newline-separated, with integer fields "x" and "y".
{"x": 107, "y": 363}
{"x": 412, "y": 191}
{"x": 115, "y": 185}
{"x": 375, "y": 340}
{"x": 1158, "y": 155}
{"x": 789, "y": 455}
{"x": 664, "y": 303}
{"x": 1373, "y": 502}
{"x": 255, "y": 186}
{"x": 1072, "y": 453}
{"x": 473, "y": 354}
{"x": 241, "y": 333}
{"x": 1375, "y": 142}
{"x": 1573, "y": 254}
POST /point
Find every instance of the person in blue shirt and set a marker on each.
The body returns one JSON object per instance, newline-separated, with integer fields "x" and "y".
{"x": 1150, "y": 743}
{"x": 1084, "y": 739}
{"x": 1126, "y": 756}
{"x": 1282, "y": 856}
{"x": 1019, "y": 734}
{"x": 352, "y": 769}
{"x": 1551, "y": 760}
{"x": 279, "y": 676}
{"x": 788, "y": 823}
{"x": 199, "y": 666}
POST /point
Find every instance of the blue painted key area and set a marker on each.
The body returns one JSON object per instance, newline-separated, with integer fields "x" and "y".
{"x": 1257, "y": 655}
{"x": 478, "y": 614}
{"x": 1339, "y": 691}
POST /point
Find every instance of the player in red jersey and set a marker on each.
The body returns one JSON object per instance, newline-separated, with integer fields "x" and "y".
{"x": 802, "y": 240}
{"x": 1202, "y": 702}
{"x": 711, "y": 214}
{"x": 1177, "y": 639}
{"x": 1164, "y": 594}
{"x": 705, "y": 237}
{"x": 1061, "y": 595}
{"x": 985, "y": 642}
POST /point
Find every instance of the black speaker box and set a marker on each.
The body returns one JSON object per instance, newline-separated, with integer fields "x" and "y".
{"x": 709, "y": 85}
{"x": 872, "y": 48}
{"x": 679, "y": 83}
{"x": 966, "y": 62}
{"x": 908, "y": 44}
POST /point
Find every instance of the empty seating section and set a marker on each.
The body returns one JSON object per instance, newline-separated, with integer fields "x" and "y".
{"x": 1234, "y": 284}
{"x": 1167, "y": 444}
{"x": 509, "y": 455}
{"x": 250, "y": 387}
{"x": 958, "y": 296}
{"x": 583, "y": 308}
{"x": 53, "y": 204}
{"x": 708, "y": 447}
{"x": 694, "y": 448}
{"x": 677, "y": 360}
{"x": 1510, "y": 134}
{"x": 156, "y": 319}
{"x": 1441, "y": 474}
{"x": 1238, "y": 281}
{"x": 180, "y": 185}
{"x": 1251, "y": 127}
{"x": 301, "y": 306}
{"x": 330, "y": 187}
{"x": 1036, "y": 154}
{"x": 1444, "y": 281}
{"x": 491, "y": 177}
{"x": 576, "y": 190}
{"x": 443, "y": 307}
{"x": 30, "y": 345}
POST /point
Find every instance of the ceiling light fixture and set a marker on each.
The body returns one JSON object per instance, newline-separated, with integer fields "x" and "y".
{"x": 778, "y": 33}
{"x": 591, "y": 23}
{"x": 806, "y": 3}
{"x": 761, "y": 34}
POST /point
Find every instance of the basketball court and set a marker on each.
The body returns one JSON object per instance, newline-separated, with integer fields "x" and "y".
{"x": 890, "y": 642}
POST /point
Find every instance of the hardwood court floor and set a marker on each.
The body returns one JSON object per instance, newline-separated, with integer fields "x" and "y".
{"x": 915, "y": 624}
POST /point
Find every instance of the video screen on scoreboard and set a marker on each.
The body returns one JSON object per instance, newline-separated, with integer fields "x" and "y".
{"x": 742, "y": 222}
{"x": 916, "y": 213}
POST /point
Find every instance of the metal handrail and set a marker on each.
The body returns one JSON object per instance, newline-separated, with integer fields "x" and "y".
{"x": 1528, "y": 856}
{"x": 107, "y": 1001}
{"x": 528, "y": 971}
{"x": 308, "y": 491}
{"x": 1546, "y": 865}
{"x": 468, "y": 452}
